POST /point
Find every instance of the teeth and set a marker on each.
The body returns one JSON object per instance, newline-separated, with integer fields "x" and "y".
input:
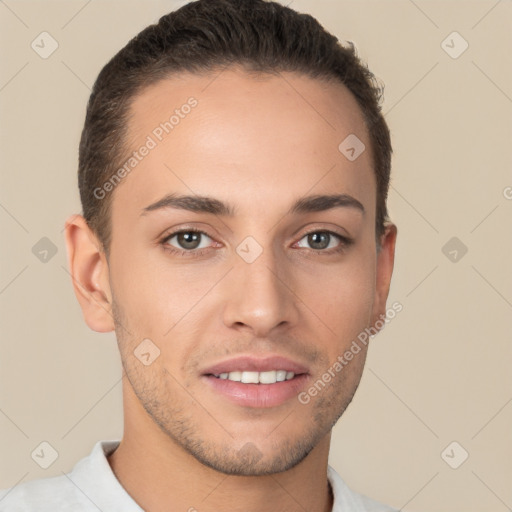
{"x": 250, "y": 377}
{"x": 280, "y": 375}
{"x": 270, "y": 377}
{"x": 235, "y": 376}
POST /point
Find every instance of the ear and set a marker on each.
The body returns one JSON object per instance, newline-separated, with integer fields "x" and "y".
{"x": 89, "y": 271}
{"x": 384, "y": 270}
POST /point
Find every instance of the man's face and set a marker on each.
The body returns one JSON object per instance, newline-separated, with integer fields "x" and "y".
{"x": 265, "y": 290}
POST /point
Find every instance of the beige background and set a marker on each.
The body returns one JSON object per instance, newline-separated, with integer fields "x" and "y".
{"x": 438, "y": 373}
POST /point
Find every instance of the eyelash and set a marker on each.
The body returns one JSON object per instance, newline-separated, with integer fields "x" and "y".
{"x": 345, "y": 243}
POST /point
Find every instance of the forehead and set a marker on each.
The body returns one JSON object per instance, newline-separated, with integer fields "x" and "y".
{"x": 244, "y": 139}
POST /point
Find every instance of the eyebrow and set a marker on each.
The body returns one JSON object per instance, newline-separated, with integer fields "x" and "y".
{"x": 205, "y": 204}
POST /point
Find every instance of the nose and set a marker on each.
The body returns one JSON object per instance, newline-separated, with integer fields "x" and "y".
{"x": 260, "y": 296}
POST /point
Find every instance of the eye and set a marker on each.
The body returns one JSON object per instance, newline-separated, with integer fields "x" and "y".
{"x": 195, "y": 243}
{"x": 188, "y": 240}
{"x": 322, "y": 240}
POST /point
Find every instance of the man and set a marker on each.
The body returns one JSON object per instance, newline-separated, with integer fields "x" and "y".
{"x": 233, "y": 172}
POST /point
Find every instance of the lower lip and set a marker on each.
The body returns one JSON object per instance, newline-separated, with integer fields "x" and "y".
{"x": 258, "y": 395}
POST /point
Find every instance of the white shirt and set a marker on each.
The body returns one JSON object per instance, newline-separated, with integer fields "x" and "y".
{"x": 92, "y": 486}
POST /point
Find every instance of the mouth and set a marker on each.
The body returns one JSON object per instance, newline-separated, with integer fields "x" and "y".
{"x": 268, "y": 377}
{"x": 255, "y": 382}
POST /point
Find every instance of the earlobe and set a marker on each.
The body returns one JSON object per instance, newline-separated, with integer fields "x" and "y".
{"x": 384, "y": 271}
{"x": 89, "y": 272}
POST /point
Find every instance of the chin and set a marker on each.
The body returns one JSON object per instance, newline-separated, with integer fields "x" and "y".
{"x": 253, "y": 458}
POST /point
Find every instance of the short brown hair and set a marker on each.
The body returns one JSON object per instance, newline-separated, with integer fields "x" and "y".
{"x": 200, "y": 37}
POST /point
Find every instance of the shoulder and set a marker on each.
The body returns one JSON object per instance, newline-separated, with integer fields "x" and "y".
{"x": 84, "y": 489}
{"x": 42, "y": 495}
{"x": 345, "y": 499}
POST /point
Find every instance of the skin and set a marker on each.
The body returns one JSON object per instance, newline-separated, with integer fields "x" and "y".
{"x": 253, "y": 142}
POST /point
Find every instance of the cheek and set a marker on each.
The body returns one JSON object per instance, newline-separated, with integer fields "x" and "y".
{"x": 145, "y": 297}
{"x": 343, "y": 299}
{"x": 156, "y": 296}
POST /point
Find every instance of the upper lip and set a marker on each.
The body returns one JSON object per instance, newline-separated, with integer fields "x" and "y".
{"x": 255, "y": 364}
